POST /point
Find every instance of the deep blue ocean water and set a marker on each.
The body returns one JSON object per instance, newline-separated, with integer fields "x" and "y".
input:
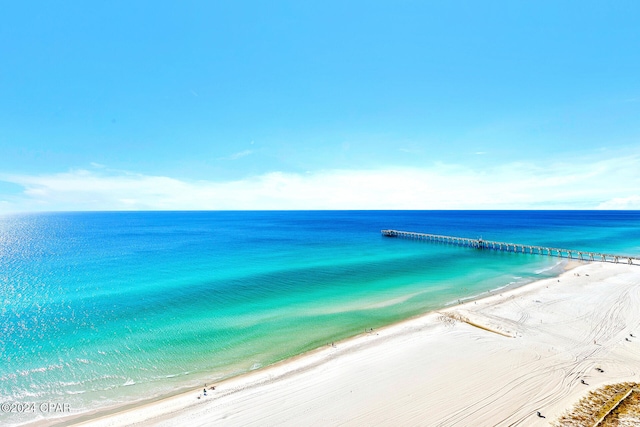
{"x": 106, "y": 309}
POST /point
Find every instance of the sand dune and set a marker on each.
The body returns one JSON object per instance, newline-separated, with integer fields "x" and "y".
{"x": 504, "y": 358}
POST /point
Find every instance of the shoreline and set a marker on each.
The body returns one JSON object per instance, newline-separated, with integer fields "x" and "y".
{"x": 473, "y": 316}
{"x": 558, "y": 268}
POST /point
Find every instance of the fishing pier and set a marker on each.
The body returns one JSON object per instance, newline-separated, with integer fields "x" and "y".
{"x": 513, "y": 247}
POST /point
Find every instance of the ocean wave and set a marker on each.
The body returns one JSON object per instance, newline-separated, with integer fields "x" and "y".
{"x": 476, "y": 296}
{"x": 544, "y": 270}
{"x": 503, "y": 286}
{"x": 8, "y": 377}
{"x": 24, "y": 394}
{"x": 70, "y": 383}
{"x": 26, "y": 372}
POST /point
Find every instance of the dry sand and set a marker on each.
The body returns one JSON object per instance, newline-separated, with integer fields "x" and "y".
{"x": 520, "y": 352}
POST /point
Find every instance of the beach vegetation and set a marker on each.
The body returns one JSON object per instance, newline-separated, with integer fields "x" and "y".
{"x": 608, "y": 406}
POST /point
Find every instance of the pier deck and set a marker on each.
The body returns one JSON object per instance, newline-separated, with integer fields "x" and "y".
{"x": 514, "y": 247}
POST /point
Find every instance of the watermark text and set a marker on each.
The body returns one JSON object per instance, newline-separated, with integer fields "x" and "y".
{"x": 42, "y": 407}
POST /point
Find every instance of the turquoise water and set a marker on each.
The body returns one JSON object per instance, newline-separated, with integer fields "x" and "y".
{"x": 105, "y": 309}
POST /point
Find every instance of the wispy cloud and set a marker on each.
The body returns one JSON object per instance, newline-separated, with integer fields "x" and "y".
{"x": 238, "y": 155}
{"x": 612, "y": 183}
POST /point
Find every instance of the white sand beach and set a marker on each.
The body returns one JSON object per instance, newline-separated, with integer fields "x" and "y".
{"x": 521, "y": 351}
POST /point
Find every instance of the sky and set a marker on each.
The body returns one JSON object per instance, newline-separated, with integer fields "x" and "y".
{"x": 158, "y": 105}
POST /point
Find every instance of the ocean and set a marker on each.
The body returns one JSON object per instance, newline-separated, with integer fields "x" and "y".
{"x": 105, "y": 309}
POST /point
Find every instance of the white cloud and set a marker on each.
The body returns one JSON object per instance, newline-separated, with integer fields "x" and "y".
{"x": 631, "y": 202}
{"x": 595, "y": 184}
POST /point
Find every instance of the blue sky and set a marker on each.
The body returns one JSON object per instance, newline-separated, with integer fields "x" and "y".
{"x": 319, "y": 105}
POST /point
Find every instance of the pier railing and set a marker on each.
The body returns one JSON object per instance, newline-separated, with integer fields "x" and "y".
{"x": 514, "y": 247}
